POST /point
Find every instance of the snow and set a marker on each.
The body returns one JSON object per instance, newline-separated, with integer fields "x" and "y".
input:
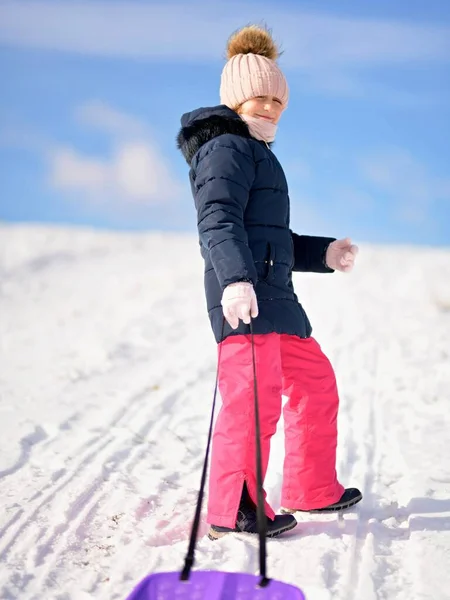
{"x": 107, "y": 368}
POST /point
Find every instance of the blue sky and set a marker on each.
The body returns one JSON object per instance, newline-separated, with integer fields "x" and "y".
{"x": 92, "y": 94}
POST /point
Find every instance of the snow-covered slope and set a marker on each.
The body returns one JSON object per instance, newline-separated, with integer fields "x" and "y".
{"x": 107, "y": 368}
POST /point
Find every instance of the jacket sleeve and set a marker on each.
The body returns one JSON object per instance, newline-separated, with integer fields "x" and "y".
{"x": 222, "y": 179}
{"x": 309, "y": 253}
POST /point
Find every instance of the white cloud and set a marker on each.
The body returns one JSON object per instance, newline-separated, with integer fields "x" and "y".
{"x": 169, "y": 31}
{"x": 413, "y": 188}
{"x": 134, "y": 171}
{"x": 142, "y": 174}
{"x": 348, "y": 83}
{"x": 104, "y": 117}
{"x": 72, "y": 170}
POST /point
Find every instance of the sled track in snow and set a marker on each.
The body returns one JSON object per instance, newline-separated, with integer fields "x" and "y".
{"x": 102, "y": 455}
{"x": 361, "y": 553}
{"x": 382, "y": 558}
{"x": 31, "y": 537}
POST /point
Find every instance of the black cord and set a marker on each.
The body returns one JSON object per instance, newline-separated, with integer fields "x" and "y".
{"x": 260, "y": 512}
{"x": 190, "y": 556}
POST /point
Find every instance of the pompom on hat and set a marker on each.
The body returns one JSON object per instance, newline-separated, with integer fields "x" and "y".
{"x": 251, "y": 69}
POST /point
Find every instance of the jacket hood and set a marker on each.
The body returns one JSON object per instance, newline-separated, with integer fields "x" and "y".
{"x": 203, "y": 124}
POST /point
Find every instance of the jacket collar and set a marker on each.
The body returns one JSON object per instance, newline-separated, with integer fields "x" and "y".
{"x": 204, "y": 124}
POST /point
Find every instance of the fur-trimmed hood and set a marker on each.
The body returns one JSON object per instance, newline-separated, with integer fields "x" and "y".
{"x": 204, "y": 124}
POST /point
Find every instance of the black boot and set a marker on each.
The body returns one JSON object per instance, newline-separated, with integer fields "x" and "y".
{"x": 350, "y": 497}
{"x": 247, "y": 522}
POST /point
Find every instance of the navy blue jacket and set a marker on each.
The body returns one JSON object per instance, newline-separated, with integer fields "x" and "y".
{"x": 241, "y": 195}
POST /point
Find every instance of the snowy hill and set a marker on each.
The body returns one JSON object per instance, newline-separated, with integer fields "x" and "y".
{"x": 107, "y": 368}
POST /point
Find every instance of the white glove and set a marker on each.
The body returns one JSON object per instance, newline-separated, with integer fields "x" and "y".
{"x": 341, "y": 255}
{"x": 239, "y": 302}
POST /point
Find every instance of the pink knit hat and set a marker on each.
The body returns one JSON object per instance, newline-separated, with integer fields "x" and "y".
{"x": 251, "y": 69}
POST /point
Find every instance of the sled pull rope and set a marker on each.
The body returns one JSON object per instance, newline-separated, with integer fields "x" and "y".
{"x": 190, "y": 556}
{"x": 260, "y": 513}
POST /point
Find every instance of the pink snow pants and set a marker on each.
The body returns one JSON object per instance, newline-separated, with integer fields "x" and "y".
{"x": 298, "y": 369}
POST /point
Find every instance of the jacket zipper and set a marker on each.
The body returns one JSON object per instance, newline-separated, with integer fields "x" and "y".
{"x": 292, "y": 242}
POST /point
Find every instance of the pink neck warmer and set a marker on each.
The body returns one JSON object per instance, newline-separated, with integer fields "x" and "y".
{"x": 260, "y": 128}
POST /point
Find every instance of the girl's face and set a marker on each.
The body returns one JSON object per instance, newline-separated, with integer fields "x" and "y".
{"x": 263, "y": 107}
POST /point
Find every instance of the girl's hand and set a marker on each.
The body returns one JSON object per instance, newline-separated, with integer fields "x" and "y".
{"x": 341, "y": 255}
{"x": 239, "y": 302}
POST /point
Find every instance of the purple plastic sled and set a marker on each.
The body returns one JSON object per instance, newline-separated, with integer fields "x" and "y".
{"x": 212, "y": 585}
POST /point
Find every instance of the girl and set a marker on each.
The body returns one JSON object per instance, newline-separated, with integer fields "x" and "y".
{"x": 242, "y": 202}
